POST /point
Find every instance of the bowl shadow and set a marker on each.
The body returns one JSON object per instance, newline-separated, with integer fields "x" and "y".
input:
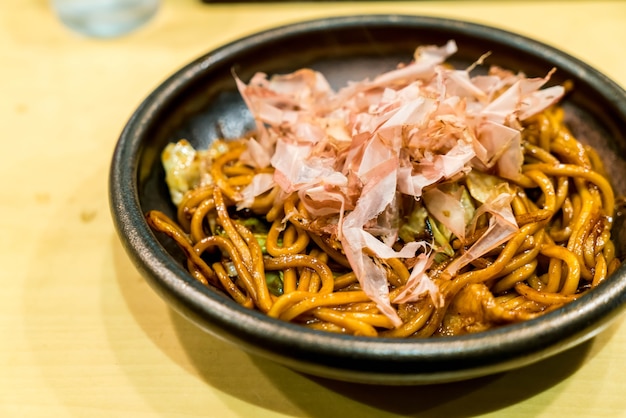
{"x": 458, "y": 399}
{"x": 273, "y": 387}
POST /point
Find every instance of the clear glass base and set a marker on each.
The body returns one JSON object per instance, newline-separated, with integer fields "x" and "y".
{"x": 104, "y": 18}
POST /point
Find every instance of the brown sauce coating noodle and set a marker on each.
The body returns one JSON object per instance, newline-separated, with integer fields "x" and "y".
{"x": 562, "y": 250}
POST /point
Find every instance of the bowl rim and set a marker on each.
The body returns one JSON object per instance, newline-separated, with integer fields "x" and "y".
{"x": 431, "y": 359}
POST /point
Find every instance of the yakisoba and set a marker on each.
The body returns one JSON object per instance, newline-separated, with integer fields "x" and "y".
{"x": 426, "y": 201}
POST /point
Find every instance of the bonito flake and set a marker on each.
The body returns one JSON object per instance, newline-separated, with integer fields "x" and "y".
{"x": 350, "y": 152}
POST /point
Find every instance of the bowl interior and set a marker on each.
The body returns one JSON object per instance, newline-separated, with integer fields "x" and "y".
{"x": 200, "y": 103}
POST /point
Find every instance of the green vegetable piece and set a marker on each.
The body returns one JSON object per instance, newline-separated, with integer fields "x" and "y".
{"x": 442, "y": 236}
{"x": 414, "y": 228}
{"x": 468, "y": 206}
{"x": 274, "y": 280}
{"x": 262, "y": 240}
{"x": 483, "y": 186}
{"x": 255, "y": 225}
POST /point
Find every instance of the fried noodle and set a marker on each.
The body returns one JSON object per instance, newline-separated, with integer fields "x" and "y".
{"x": 273, "y": 255}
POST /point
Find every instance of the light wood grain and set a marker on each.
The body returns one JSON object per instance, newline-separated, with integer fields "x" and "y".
{"x": 81, "y": 333}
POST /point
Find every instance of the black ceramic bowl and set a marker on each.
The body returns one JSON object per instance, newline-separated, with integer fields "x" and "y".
{"x": 200, "y": 103}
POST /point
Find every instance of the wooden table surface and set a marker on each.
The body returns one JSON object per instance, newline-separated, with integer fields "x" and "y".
{"x": 82, "y": 334}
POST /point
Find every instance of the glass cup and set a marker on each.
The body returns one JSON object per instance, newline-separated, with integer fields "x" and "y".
{"x": 104, "y": 18}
